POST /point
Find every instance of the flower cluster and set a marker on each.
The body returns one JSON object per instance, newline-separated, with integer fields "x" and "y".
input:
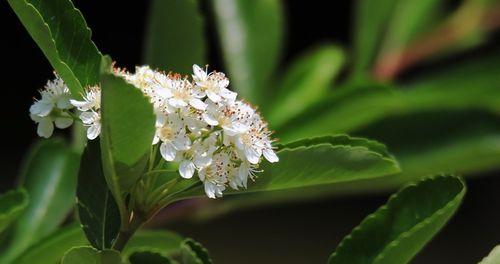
{"x": 200, "y": 124}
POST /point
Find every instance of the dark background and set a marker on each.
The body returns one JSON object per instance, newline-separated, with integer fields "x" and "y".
{"x": 300, "y": 233}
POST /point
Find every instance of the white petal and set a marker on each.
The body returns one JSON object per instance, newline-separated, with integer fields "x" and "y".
{"x": 198, "y": 104}
{"x": 228, "y": 94}
{"x": 81, "y": 105}
{"x": 202, "y": 173}
{"x": 234, "y": 184}
{"x": 45, "y": 128}
{"x": 213, "y": 96}
{"x": 63, "y": 103}
{"x": 88, "y": 117}
{"x": 186, "y": 169}
{"x": 243, "y": 174}
{"x": 202, "y": 160}
{"x": 167, "y": 151}
{"x": 93, "y": 131}
{"x": 210, "y": 119}
{"x": 252, "y": 155}
{"x": 63, "y": 122}
{"x": 270, "y": 155}
{"x": 177, "y": 102}
{"x": 156, "y": 139}
{"x": 199, "y": 72}
{"x": 41, "y": 108}
{"x": 210, "y": 190}
{"x": 182, "y": 142}
{"x": 235, "y": 128}
{"x": 164, "y": 92}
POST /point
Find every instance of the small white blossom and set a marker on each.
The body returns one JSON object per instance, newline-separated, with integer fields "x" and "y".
{"x": 171, "y": 133}
{"x": 54, "y": 95}
{"x": 183, "y": 94}
{"x": 92, "y": 120}
{"x": 45, "y": 126}
{"x": 213, "y": 85}
{"x": 52, "y": 107}
{"x": 91, "y": 100}
{"x": 200, "y": 124}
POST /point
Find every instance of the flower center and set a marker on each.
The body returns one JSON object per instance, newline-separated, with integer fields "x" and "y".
{"x": 166, "y": 133}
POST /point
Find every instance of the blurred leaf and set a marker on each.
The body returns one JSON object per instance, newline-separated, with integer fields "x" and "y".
{"x": 346, "y": 109}
{"x": 251, "y": 35}
{"x": 90, "y": 255}
{"x": 12, "y": 204}
{"x": 319, "y": 161}
{"x": 493, "y": 257}
{"x": 161, "y": 241}
{"x": 397, "y": 231}
{"x": 174, "y": 36}
{"x": 306, "y": 81}
{"x": 193, "y": 252}
{"x": 127, "y": 132}
{"x": 97, "y": 209}
{"x": 371, "y": 19}
{"x": 142, "y": 257}
{"x": 469, "y": 85}
{"x": 435, "y": 142}
{"x": 61, "y": 32}
{"x": 52, "y": 248}
{"x": 50, "y": 179}
{"x": 407, "y": 24}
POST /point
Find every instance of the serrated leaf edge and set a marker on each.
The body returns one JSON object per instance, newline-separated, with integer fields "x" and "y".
{"x": 409, "y": 232}
{"x": 88, "y": 35}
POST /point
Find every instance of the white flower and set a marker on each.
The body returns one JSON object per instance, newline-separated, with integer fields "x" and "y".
{"x": 215, "y": 176}
{"x": 55, "y": 95}
{"x": 200, "y": 125}
{"x": 213, "y": 85}
{"x": 245, "y": 170}
{"x": 45, "y": 126}
{"x": 143, "y": 77}
{"x": 91, "y": 99}
{"x": 92, "y": 120}
{"x": 224, "y": 116}
{"x": 172, "y": 134}
{"x": 198, "y": 156}
{"x": 182, "y": 94}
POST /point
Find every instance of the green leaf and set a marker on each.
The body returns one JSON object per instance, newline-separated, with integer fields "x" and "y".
{"x": 90, "y": 255}
{"x": 397, "y": 231}
{"x": 251, "y": 35}
{"x": 469, "y": 85}
{"x": 52, "y": 248}
{"x": 344, "y": 110}
{"x": 97, "y": 209}
{"x": 369, "y": 26}
{"x": 160, "y": 241}
{"x": 193, "y": 252}
{"x": 50, "y": 179}
{"x": 142, "y": 257}
{"x": 174, "y": 36}
{"x": 62, "y": 34}
{"x": 493, "y": 257}
{"x": 438, "y": 141}
{"x": 320, "y": 161}
{"x": 12, "y": 204}
{"x": 308, "y": 80}
{"x": 127, "y": 132}
{"x": 407, "y": 24}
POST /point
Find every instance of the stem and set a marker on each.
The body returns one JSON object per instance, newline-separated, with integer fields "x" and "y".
{"x": 124, "y": 235}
